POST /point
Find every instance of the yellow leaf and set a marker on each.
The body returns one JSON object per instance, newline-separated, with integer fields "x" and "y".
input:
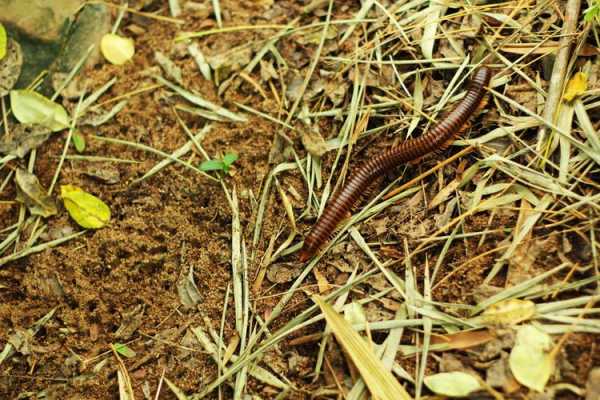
{"x": 509, "y": 312}
{"x": 87, "y": 210}
{"x": 117, "y": 49}
{"x": 3, "y": 42}
{"x": 576, "y": 86}
{"x": 379, "y": 380}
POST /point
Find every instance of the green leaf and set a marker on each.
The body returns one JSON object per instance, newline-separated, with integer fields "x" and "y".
{"x": 452, "y": 384}
{"x": 87, "y": 210}
{"x": 123, "y": 350}
{"x": 530, "y": 360}
{"x": 3, "y": 42}
{"x": 230, "y": 158}
{"x": 30, "y": 107}
{"x": 591, "y": 13}
{"x": 78, "y": 141}
{"x": 212, "y": 165}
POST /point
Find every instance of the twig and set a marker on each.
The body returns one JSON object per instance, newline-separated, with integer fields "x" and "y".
{"x": 559, "y": 71}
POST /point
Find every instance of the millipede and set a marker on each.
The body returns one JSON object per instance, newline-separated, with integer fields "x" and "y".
{"x": 438, "y": 138}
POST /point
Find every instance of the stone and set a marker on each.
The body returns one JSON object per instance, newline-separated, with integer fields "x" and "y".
{"x": 92, "y": 22}
{"x": 39, "y": 19}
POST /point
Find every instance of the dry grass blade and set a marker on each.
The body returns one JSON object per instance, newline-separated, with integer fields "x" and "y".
{"x": 379, "y": 380}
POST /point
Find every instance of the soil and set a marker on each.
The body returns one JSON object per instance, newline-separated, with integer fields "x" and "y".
{"x": 127, "y": 273}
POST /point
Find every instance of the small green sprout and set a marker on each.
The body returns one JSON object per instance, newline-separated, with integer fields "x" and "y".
{"x": 124, "y": 350}
{"x": 78, "y": 141}
{"x": 219, "y": 165}
{"x": 592, "y": 12}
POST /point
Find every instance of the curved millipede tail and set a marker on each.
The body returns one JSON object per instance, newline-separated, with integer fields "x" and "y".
{"x": 441, "y": 134}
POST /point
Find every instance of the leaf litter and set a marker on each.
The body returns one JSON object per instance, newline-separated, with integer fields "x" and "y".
{"x": 498, "y": 218}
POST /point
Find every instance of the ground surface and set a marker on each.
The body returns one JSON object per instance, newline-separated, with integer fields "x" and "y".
{"x": 126, "y": 274}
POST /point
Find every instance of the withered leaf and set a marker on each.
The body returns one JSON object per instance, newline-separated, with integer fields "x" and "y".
{"x": 171, "y": 69}
{"x": 10, "y": 67}
{"x": 314, "y": 143}
{"x": 31, "y": 193}
{"x": 106, "y": 173}
{"x": 282, "y": 272}
{"x": 131, "y": 321}
{"x": 24, "y": 138}
{"x": 189, "y": 295}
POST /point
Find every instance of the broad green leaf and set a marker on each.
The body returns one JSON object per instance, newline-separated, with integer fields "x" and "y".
{"x": 117, "y": 49}
{"x": 530, "y": 360}
{"x": 78, "y": 141}
{"x": 576, "y": 86}
{"x": 230, "y": 158}
{"x": 31, "y": 193}
{"x": 452, "y": 384}
{"x": 3, "y": 42}
{"x": 380, "y": 381}
{"x": 87, "y": 210}
{"x": 30, "y": 107}
{"x": 124, "y": 350}
{"x": 212, "y": 165}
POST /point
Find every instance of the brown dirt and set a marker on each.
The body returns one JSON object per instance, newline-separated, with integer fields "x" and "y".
{"x": 173, "y": 221}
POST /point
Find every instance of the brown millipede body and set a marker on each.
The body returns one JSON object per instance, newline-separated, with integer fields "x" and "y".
{"x": 441, "y": 135}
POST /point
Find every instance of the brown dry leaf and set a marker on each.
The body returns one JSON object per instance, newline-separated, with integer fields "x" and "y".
{"x": 498, "y": 375}
{"x": 130, "y": 322}
{"x": 10, "y": 67}
{"x": 283, "y": 272}
{"x": 443, "y": 194}
{"x": 189, "y": 295}
{"x": 31, "y": 193}
{"x": 509, "y": 312}
{"x": 321, "y": 281}
{"x": 106, "y": 173}
{"x": 24, "y": 138}
{"x": 380, "y": 381}
{"x": 233, "y": 344}
{"x": 171, "y": 69}
{"x": 314, "y": 143}
{"x": 463, "y": 340}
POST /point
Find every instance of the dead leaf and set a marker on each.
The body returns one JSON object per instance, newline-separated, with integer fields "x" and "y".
{"x": 314, "y": 143}
{"x": 21, "y": 341}
{"x": 24, "y": 138}
{"x": 33, "y": 195}
{"x": 171, "y": 69}
{"x": 498, "y": 375}
{"x": 283, "y": 272}
{"x": 10, "y": 67}
{"x": 463, "y": 340}
{"x": 130, "y": 322}
{"x": 321, "y": 281}
{"x": 444, "y": 193}
{"x": 189, "y": 295}
{"x": 106, "y": 173}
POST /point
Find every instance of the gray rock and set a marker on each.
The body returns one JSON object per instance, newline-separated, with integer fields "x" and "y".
{"x": 39, "y": 19}
{"x": 90, "y": 25}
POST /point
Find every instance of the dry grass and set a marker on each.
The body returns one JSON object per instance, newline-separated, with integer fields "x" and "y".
{"x": 532, "y": 158}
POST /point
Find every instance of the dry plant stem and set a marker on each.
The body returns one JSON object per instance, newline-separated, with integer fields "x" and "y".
{"x": 559, "y": 71}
